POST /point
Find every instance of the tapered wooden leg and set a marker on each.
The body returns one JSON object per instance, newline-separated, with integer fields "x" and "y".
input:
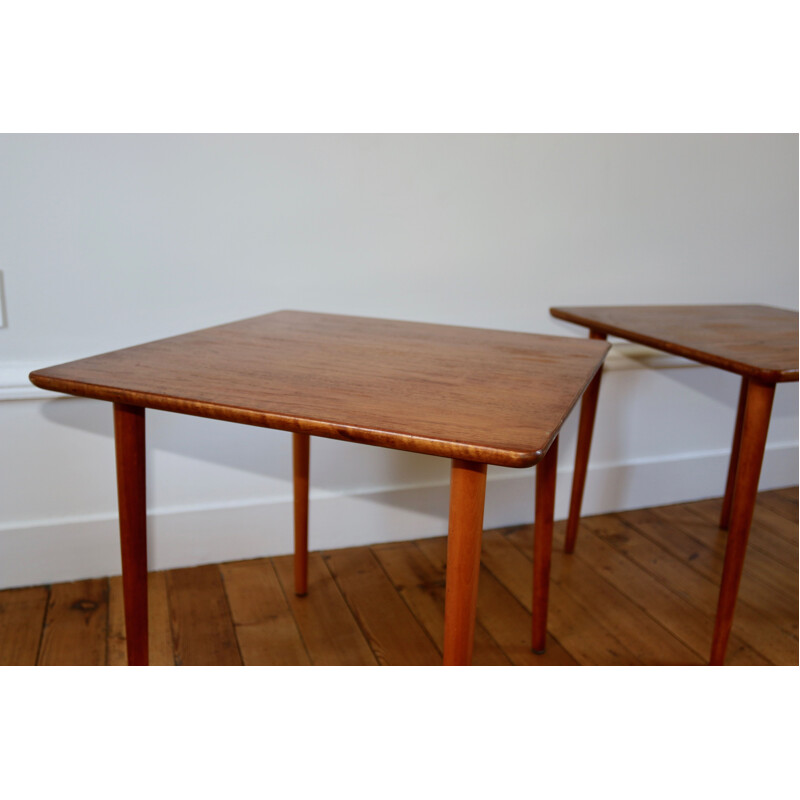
{"x": 758, "y": 406}
{"x": 543, "y": 543}
{"x": 585, "y": 429}
{"x": 725, "y": 516}
{"x": 467, "y": 493}
{"x": 129, "y": 441}
{"x": 300, "y": 457}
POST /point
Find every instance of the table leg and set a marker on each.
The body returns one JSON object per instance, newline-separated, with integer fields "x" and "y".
{"x": 300, "y": 457}
{"x": 757, "y": 408}
{"x": 129, "y": 442}
{"x": 725, "y": 516}
{"x": 467, "y": 493}
{"x": 543, "y": 543}
{"x": 585, "y": 429}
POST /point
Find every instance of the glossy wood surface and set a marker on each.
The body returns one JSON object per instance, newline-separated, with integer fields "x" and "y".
{"x": 467, "y": 493}
{"x": 391, "y": 630}
{"x": 75, "y": 627}
{"x": 420, "y": 582}
{"x": 758, "y": 342}
{"x": 300, "y": 465}
{"x": 129, "y": 438}
{"x": 160, "y": 647}
{"x": 543, "y": 545}
{"x": 752, "y": 340}
{"x": 757, "y": 410}
{"x": 264, "y": 627}
{"x": 479, "y": 395}
{"x": 323, "y": 618}
{"x": 582, "y": 448}
{"x": 22, "y": 613}
{"x": 200, "y": 618}
{"x": 730, "y": 482}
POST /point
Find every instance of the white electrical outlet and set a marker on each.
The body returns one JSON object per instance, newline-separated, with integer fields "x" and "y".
{"x": 3, "y": 316}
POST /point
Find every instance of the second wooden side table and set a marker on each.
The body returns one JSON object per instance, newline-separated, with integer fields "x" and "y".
{"x": 760, "y": 343}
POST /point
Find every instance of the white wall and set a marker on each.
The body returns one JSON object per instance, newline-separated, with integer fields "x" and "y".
{"x": 108, "y": 241}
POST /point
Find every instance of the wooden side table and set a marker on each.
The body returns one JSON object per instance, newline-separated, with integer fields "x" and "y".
{"x": 477, "y": 397}
{"x": 760, "y": 343}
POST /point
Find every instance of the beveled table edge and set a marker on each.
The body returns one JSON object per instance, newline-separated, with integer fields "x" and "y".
{"x": 500, "y": 457}
{"x": 484, "y": 454}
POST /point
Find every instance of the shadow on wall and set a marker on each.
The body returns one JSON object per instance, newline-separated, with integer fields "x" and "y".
{"x": 336, "y": 467}
{"x": 375, "y": 474}
{"x": 408, "y": 481}
{"x": 724, "y": 388}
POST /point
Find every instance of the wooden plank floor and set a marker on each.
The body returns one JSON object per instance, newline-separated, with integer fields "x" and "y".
{"x": 640, "y": 589}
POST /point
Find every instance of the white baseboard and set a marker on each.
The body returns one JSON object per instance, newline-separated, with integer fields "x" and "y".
{"x": 50, "y": 551}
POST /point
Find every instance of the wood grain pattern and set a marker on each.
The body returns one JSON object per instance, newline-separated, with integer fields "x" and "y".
{"x": 576, "y": 627}
{"x": 765, "y": 585}
{"x": 543, "y": 545}
{"x": 467, "y": 493}
{"x": 265, "y": 628}
{"x": 771, "y": 560}
{"x": 393, "y": 633}
{"x": 582, "y": 449}
{"x": 660, "y": 546}
{"x": 730, "y": 481}
{"x": 202, "y": 628}
{"x": 783, "y": 502}
{"x": 159, "y": 627}
{"x": 329, "y": 630}
{"x": 129, "y": 438}
{"x": 771, "y": 534}
{"x": 160, "y": 633}
{"x": 757, "y": 410}
{"x": 504, "y": 619}
{"x": 21, "y": 618}
{"x": 494, "y": 397}
{"x": 752, "y": 340}
{"x": 692, "y": 624}
{"x": 664, "y": 561}
{"x": 301, "y": 454}
{"x": 116, "y": 644}
{"x": 76, "y": 625}
{"x": 421, "y": 585}
{"x": 622, "y": 616}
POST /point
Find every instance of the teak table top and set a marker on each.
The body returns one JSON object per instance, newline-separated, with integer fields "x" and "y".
{"x": 491, "y": 396}
{"x": 757, "y": 341}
